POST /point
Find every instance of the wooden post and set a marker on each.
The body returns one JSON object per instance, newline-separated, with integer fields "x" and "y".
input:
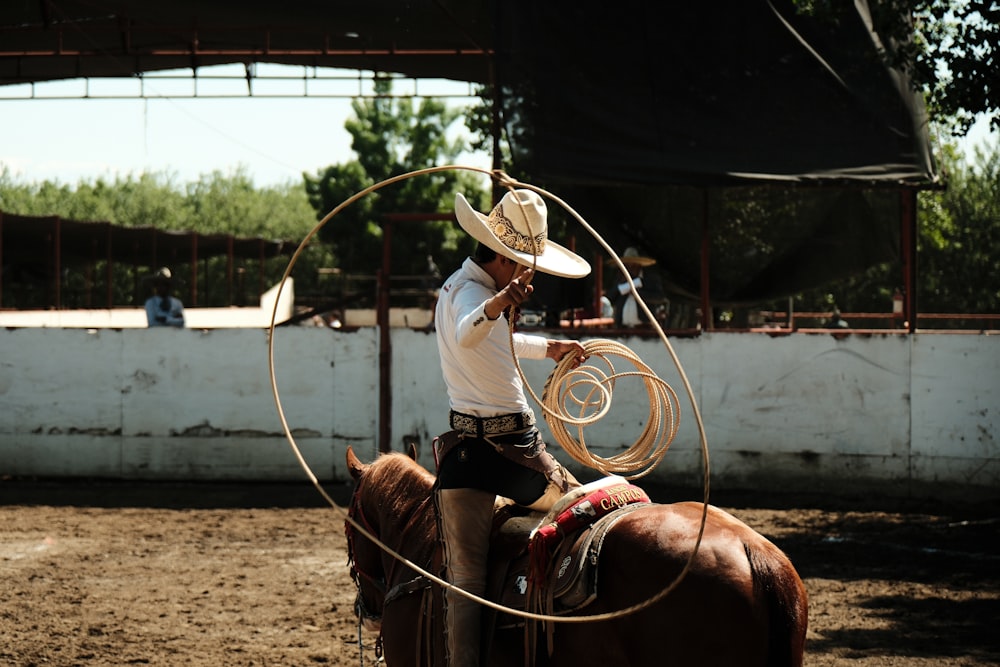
{"x": 598, "y": 284}
{"x": 57, "y": 260}
{"x": 194, "y": 270}
{"x": 109, "y": 268}
{"x": 1, "y": 259}
{"x": 908, "y": 250}
{"x": 707, "y": 321}
{"x": 230, "y": 260}
{"x": 384, "y": 343}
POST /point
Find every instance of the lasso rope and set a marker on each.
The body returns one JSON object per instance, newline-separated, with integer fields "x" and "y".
{"x": 563, "y": 384}
{"x": 589, "y": 390}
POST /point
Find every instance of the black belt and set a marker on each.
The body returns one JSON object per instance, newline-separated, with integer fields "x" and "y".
{"x": 480, "y": 426}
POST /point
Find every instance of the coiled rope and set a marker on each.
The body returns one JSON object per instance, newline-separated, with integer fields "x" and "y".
{"x": 589, "y": 390}
{"x": 562, "y": 384}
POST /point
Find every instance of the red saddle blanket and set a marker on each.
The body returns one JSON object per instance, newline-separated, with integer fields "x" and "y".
{"x": 578, "y": 513}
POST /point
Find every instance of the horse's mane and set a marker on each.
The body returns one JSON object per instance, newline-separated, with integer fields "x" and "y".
{"x": 400, "y": 481}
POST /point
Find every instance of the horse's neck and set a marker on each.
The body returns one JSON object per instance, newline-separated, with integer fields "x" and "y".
{"x": 410, "y": 528}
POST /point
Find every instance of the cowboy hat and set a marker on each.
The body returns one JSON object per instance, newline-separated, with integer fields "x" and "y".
{"x": 632, "y": 256}
{"x": 161, "y": 275}
{"x": 509, "y": 228}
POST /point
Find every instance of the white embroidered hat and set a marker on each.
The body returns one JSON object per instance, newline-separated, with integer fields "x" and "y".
{"x": 509, "y": 229}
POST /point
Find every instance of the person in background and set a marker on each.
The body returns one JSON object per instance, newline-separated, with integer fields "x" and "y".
{"x": 163, "y": 309}
{"x": 836, "y": 321}
{"x": 494, "y": 448}
{"x": 607, "y": 308}
{"x": 626, "y": 309}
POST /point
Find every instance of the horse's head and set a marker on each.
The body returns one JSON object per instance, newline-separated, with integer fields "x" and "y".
{"x": 388, "y": 497}
{"x": 364, "y": 557}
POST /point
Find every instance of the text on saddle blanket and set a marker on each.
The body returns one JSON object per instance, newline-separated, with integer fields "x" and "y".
{"x": 580, "y": 508}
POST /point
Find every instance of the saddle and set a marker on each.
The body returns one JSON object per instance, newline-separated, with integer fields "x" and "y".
{"x": 554, "y": 557}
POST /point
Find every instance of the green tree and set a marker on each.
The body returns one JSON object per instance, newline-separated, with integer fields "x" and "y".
{"x": 215, "y": 204}
{"x": 958, "y": 262}
{"x": 958, "y": 232}
{"x": 391, "y": 137}
{"x": 950, "y": 49}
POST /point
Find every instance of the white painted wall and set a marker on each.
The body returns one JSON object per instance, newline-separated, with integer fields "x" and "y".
{"x": 897, "y": 414}
{"x": 135, "y": 318}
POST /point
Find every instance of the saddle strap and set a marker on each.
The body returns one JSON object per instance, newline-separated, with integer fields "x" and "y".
{"x": 426, "y": 631}
{"x": 406, "y": 588}
{"x": 574, "y": 579}
{"x": 573, "y": 583}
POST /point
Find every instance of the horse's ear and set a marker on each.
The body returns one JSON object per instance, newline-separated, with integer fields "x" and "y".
{"x": 410, "y": 445}
{"x": 354, "y": 464}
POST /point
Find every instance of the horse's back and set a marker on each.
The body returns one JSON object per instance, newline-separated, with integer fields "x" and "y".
{"x": 739, "y": 601}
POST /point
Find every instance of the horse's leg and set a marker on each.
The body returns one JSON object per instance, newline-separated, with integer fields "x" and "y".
{"x": 780, "y": 590}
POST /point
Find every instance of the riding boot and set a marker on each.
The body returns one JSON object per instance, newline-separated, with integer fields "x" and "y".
{"x": 553, "y": 493}
{"x": 466, "y": 519}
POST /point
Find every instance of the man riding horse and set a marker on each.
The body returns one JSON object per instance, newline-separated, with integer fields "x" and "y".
{"x": 494, "y": 447}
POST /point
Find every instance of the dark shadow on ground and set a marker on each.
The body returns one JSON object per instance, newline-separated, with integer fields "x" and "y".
{"x": 168, "y": 495}
{"x": 250, "y": 494}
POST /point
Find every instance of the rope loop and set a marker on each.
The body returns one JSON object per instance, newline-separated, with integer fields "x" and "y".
{"x": 588, "y": 391}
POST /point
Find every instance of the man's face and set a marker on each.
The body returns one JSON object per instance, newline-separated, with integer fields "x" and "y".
{"x": 515, "y": 269}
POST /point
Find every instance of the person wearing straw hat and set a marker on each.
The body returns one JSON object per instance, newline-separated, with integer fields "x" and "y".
{"x": 494, "y": 448}
{"x": 162, "y": 309}
{"x": 626, "y": 309}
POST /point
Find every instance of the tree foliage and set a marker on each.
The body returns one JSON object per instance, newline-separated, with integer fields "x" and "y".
{"x": 958, "y": 232}
{"x": 959, "y": 237}
{"x": 392, "y": 137}
{"x": 215, "y": 204}
{"x": 949, "y": 48}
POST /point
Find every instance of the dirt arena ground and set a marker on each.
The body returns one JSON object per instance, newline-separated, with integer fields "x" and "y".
{"x": 209, "y": 575}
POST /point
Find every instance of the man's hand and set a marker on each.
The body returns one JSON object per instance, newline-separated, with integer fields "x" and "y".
{"x": 517, "y": 291}
{"x": 557, "y": 349}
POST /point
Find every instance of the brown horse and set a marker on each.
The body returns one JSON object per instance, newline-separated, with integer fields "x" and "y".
{"x": 740, "y": 603}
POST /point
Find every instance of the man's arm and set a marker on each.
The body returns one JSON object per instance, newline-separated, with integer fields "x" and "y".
{"x": 176, "y": 316}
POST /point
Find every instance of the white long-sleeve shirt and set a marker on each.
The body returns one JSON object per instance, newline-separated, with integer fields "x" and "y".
{"x": 476, "y": 361}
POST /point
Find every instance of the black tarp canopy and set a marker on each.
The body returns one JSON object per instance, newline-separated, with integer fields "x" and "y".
{"x": 632, "y": 92}
{"x": 715, "y": 93}
{"x": 651, "y": 117}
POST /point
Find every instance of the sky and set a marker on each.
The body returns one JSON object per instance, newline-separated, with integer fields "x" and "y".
{"x": 49, "y": 133}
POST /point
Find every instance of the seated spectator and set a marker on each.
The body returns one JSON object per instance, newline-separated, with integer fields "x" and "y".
{"x": 626, "y": 309}
{"x": 162, "y": 309}
{"x": 836, "y": 321}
